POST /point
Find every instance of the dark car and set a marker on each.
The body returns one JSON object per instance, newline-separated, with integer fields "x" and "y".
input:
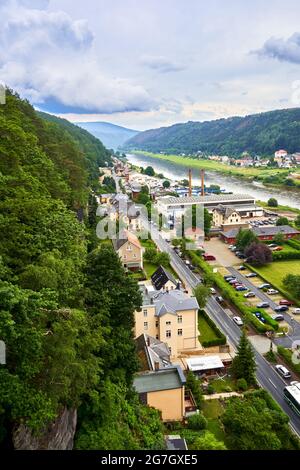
{"x": 219, "y": 299}
{"x": 241, "y": 256}
{"x": 281, "y": 308}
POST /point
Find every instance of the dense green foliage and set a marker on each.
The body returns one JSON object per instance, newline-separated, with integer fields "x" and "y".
{"x": 261, "y": 134}
{"x": 66, "y": 305}
{"x": 292, "y": 283}
{"x": 245, "y": 238}
{"x": 243, "y": 365}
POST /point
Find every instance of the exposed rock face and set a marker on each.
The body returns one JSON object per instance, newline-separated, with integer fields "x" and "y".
{"x": 59, "y": 435}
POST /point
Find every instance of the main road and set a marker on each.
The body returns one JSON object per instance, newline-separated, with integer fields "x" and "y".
{"x": 267, "y": 377}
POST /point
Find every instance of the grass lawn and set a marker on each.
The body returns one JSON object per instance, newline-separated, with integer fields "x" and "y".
{"x": 212, "y": 410}
{"x": 205, "y": 330}
{"x": 223, "y": 385}
{"x": 150, "y": 268}
{"x": 211, "y": 165}
{"x": 276, "y": 271}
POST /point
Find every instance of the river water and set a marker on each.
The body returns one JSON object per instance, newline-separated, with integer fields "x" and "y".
{"x": 230, "y": 183}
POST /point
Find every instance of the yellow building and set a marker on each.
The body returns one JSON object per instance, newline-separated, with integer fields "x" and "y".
{"x": 170, "y": 316}
{"x": 164, "y": 390}
{"x": 129, "y": 250}
{"x": 227, "y": 218}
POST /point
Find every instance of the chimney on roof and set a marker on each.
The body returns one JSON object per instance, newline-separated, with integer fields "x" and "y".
{"x": 178, "y": 286}
{"x": 202, "y": 182}
{"x": 190, "y": 182}
{"x": 156, "y": 365}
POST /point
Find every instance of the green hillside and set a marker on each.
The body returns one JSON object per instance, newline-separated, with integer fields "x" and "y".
{"x": 260, "y": 134}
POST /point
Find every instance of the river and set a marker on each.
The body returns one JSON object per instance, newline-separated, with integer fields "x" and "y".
{"x": 176, "y": 172}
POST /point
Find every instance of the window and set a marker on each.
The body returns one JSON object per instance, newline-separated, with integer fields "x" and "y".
{"x": 157, "y": 337}
{"x": 156, "y": 324}
{"x": 124, "y": 257}
{"x": 145, "y": 312}
{"x": 129, "y": 247}
{"x": 168, "y": 334}
{"x": 179, "y": 319}
{"x": 145, "y": 325}
{"x": 134, "y": 255}
{"x": 168, "y": 323}
{"x": 179, "y": 332}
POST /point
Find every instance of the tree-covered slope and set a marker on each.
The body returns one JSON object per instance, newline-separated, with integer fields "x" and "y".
{"x": 260, "y": 134}
{"x": 111, "y": 135}
{"x": 66, "y": 313}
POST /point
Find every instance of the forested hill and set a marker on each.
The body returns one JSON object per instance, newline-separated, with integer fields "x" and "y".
{"x": 66, "y": 304}
{"x": 260, "y": 134}
{"x": 88, "y": 144}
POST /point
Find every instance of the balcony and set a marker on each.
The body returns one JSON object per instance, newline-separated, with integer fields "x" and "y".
{"x": 190, "y": 406}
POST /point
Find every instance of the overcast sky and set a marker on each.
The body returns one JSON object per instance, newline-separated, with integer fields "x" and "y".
{"x": 151, "y": 63}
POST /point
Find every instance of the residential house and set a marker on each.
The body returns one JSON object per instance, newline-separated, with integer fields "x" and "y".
{"x": 208, "y": 366}
{"x": 227, "y": 217}
{"x": 129, "y": 250}
{"x": 267, "y": 233}
{"x": 163, "y": 390}
{"x": 163, "y": 279}
{"x": 169, "y": 316}
{"x": 152, "y": 353}
{"x": 125, "y": 211}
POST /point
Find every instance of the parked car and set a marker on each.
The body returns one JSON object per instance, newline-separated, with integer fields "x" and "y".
{"x": 241, "y": 289}
{"x": 260, "y": 317}
{"x": 241, "y": 268}
{"x": 209, "y": 258}
{"x": 249, "y": 294}
{"x": 233, "y": 280}
{"x": 281, "y": 308}
{"x": 278, "y": 248}
{"x": 273, "y": 245}
{"x": 241, "y": 256}
{"x": 263, "y": 305}
{"x": 191, "y": 267}
{"x": 285, "y": 302}
{"x": 219, "y": 299}
{"x": 277, "y": 317}
{"x": 272, "y": 291}
{"x": 228, "y": 277}
{"x": 296, "y": 311}
{"x": 264, "y": 286}
{"x": 238, "y": 321}
{"x": 283, "y": 371}
{"x": 212, "y": 290}
{"x": 251, "y": 275}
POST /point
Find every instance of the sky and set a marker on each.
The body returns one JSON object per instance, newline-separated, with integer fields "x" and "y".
{"x": 149, "y": 63}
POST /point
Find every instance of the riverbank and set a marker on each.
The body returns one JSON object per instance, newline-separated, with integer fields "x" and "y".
{"x": 264, "y": 175}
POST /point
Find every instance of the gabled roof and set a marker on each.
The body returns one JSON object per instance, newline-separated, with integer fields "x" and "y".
{"x": 265, "y": 231}
{"x": 124, "y": 237}
{"x": 226, "y": 211}
{"x": 161, "y": 276}
{"x": 171, "y": 301}
{"x": 154, "y": 351}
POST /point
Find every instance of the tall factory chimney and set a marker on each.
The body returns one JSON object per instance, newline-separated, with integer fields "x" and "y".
{"x": 202, "y": 182}
{"x": 190, "y": 182}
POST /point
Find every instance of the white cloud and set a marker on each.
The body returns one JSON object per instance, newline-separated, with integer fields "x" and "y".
{"x": 161, "y": 64}
{"x": 285, "y": 50}
{"x": 48, "y": 56}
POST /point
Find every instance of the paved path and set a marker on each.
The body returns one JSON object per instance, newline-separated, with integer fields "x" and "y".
{"x": 216, "y": 396}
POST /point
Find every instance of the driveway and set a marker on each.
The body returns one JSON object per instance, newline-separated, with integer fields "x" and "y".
{"x": 221, "y": 252}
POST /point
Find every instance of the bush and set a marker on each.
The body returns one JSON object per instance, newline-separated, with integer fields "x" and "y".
{"x": 272, "y": 202}
{"x": 197, "y": 422}
{"x": 287, "y": 356}
{"x": 194, "y": 386}
{"x": 242, "y": 384}
{"x": 210, "y": 390}
{"x": 220, "y": 340}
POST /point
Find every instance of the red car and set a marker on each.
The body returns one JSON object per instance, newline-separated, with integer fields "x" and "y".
{"x": 278, "y": 248}
{"x": 285, "y": 302}
{"x": 209, "y": 258}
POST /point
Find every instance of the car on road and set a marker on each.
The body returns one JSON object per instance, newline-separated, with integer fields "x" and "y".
{"x": 283, "y": 371}
{"x": 219, "y": 299}
{"x": 272, "y": 292}
{"x": 212, "y": 290}
{"x": 281, "y": 308}
{"x": 238, "y": 321}
{"x": 241, "y": 268}
{"x": 277, "y": 317}
{"x": 285, "y": 302}
{"x": 251, "y": 275}
{"x": 263, "y": 305}
{"x": 265, "y": 286}
{"x": 296, "y": 311}
{"x": 249, "y": 295}
{"x": 191, "y": 267}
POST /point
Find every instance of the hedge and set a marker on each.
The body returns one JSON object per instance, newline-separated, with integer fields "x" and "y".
{"x": 285, "y": 255}
{"x": 287, "y": 356}
{"x": 237, "y": 299}
{"x": 221, "y": 338}
{"x": 293, "y": 243}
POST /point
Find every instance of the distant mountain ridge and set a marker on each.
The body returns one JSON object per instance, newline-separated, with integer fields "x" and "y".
{"x": 260, "y": 134}
{"x": 111, "y": 135}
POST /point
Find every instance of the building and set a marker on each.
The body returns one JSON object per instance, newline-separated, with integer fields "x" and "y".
{"x": 207, "y": 365}
{"x": 227, "y": 217}
{"x": 169, "y": 316}
{"x": 174, "y": 207}
{"x": 152, "y": 353}
{"x": 163, "y": 390}
{"x": 175, "y": 442}
{"x": 129, "y": 250}
{"x": 263, "y": 233}
{"x": 125, "y": 211}
{"x": 106, "y": 198}
{"x": 162, "y": 279}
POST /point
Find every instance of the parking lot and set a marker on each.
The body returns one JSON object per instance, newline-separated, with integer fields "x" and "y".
{"x": 224, "y": 257}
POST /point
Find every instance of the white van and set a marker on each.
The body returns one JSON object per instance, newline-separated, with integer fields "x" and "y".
{"x": 283, "y": 371}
